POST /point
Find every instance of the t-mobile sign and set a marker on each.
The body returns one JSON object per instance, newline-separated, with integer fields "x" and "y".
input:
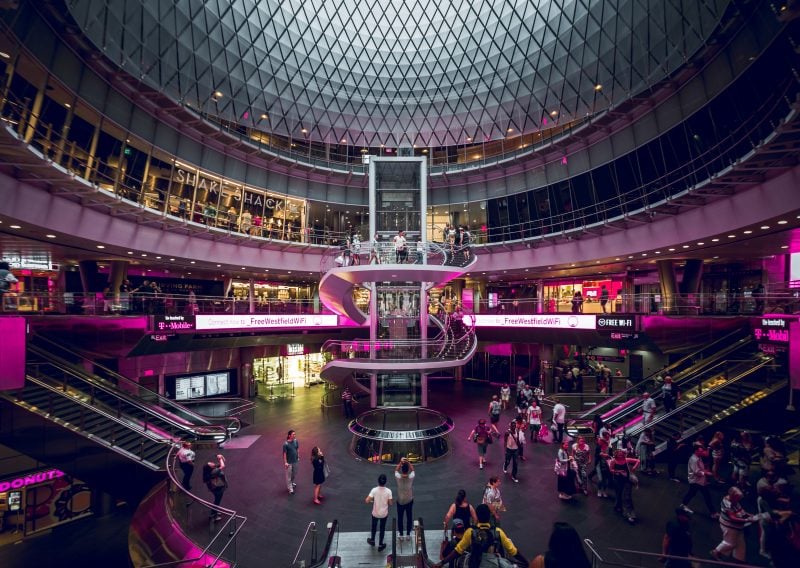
{"x": 12, "y": 353}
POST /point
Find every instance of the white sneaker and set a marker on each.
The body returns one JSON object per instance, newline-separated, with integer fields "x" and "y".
{"x": 687, "y": 509}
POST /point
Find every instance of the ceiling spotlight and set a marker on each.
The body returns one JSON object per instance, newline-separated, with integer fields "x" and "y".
{"x": 618, "y": 258}
{"x": 658, "y": 252}
{"x": 144, "y": 254}
{"x": 158, "y": 258}
{"x": 785, "y": 247}
{"x": 731, "y": 236}
{"x": 765, "y": 227}
{"x": 192, "y": 262}
{"x": 130, "y": 252}
{"x": 714, "y": 240}
{"x": 598, "y": 87}
{"x": 782, "y": 222}
{"x": 101, "y": 246}
{"x": 701, "y": 243}
{"x": 554, "y": 113}
{"x": 344, "y": 140}
{"x": 219, "y": 266}
{"x": 304, "y": 131}
{"x": 510, "y": 130}
{"x": 264, "y": 116}
{"x": 672, "y": 250}
{"x": 218, "y": 94}
{"x": 685, "y": 246}
{"x": 15, "y": 227}
{"x": 50, "y": 236}
{"x": 172, "y": 259}
{"x": 747, "y": 232}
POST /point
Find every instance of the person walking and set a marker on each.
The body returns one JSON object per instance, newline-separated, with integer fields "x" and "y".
{"x": 505, "y": 395}
{"x": 318, "y": 464}
{"x": 717, "y": 448}
{"x": 216, "y": 481}
{"x": 698, "y": 481}
{"x": 669, "y": 394}
{"x": 512, "y": 443}
{"x": 493, "y": 499}
{"x": 380, "y": 497}
{"x": 495, "y": 408}
{"x": 290, "y": 459}
{"x": 186, "y": 460}
{"x": 404, "y": 476}
{"x": 581, "y": 453}
{"x": 535, "y": 420}
{"x": 733, "y": 519}
{"x": 559, "y": 419}
{"x": 481, "y": 435}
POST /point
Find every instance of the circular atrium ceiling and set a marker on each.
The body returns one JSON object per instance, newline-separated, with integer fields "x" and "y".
{"x": 429, "y": 73}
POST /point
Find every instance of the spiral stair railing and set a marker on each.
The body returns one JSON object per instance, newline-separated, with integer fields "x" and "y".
{"x": 375, "y": 261}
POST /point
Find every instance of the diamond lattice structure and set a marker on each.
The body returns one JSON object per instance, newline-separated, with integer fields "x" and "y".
{"x": 405, "y": 72}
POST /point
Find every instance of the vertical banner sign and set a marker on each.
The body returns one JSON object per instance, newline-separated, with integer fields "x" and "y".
{"x": 12, "y": 353}
{"x": 794, "y": 354}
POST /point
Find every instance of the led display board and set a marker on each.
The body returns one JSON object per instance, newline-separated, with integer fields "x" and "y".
{"x": 544, "y": 321}
{"x": 262, "y": 321}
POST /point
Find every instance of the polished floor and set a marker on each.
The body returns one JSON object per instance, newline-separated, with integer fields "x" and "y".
{"x": 277, "y": 521}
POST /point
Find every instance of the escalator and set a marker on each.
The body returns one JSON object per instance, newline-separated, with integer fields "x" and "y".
{"x": 97, "y": 431}
{"x": 707, "y": 398}
{"x": 732, "y": 345}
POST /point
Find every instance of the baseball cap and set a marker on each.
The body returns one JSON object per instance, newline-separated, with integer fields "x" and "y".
{"x": 457, "y": 524}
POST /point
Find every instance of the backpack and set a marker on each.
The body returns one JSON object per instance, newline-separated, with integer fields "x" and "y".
{"x": 485, "y": 549}
{"x": 482, "y": 435}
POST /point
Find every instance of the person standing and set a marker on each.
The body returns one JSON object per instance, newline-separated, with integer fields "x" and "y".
{"x": 290, "y": 459}
{"x": 186, "y": 459}
{"x": 347, "y": 402}
{"x": 512, "y": 445}
{"x": 559, "y": 418}
{"x": 6, "y": 280}
{"x": 717, "y": 448}
{"x": 535, "y": 420}
{"x": 216, "y": 481}
{"x": 677, "y": 541}
{"x": 670, "y": 394}
{"x": 461, "y": 509}
{"x": 565, "y": 475}
{"x": 622, "y": 467}
{"x": 581, "y": 453}
{"x": 380, "y": 497}
{"x": 505, "y": 395}
{"x": 400, "y": 252}
{"x": 648, "y": 408}
{"x": 603, "y": 298}
{"x": 318, "y": 463}
{"x": 698, "y": 481}
{"x": 404, "y": 475}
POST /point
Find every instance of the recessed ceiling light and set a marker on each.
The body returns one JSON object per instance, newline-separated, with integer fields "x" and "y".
{"x": 288, "y": 272}
{"x": 731, "y": 236}
{"x": 172, "y": 259}
{"x": 510, "y": 130}
{"x": 554, "y": 113}
{"x": 785, "y": 247}
{"x": 218, "y": 94}
{"x": 192, "y": 262}
{"x": 598, "y": 87}
{"x": 101, "y": 246}
{"x": 572, "y": 265}
{"x": 630, "y": 257}
{"x": 158, "y": 257}
{"x": 618, "y": 258}
{"x": 189, "y": 273}
{"x": 716, "y": 257}
{"x": 15, "y": 227}
{"x": 658, "y": 252}
{"x": 671, "y": 250}
{"x": 144, "y": 254}
{"x": 782, "y": 222}
{"x": 685, "y": 246}
{"x": 644, "y": 254}
{"x": 50, "y": 236}
{"x": 715, "y": 240}
{"x": 130, "y": 252}
{"x": 219, "y": 265}
{"x": 748, "y": 232}
{"x": 701, "y": 243}
{"x": 765, "y": 227}
{"x": 243, "y": 268}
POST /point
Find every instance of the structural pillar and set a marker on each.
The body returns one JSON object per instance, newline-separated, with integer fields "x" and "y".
{"x": 88, "y": 271}
{"x": 666, "y": 278}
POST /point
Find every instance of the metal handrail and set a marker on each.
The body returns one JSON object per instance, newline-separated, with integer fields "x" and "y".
{"x": 312, "y": 530}
{"x": 126, "y": 424}
{"x": 232, "y": 515}
{"x": 163, "y": 402}
{"x": 198, "y": 431}
{"x": 433, "y": 253}
{"x": 657, "y": 556}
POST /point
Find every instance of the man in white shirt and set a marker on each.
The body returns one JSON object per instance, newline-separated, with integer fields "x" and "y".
{"x": 648, "y": 408}
{"x": 381, "y": 499}
{"x": 400, "y": 251}
{"x": 698, "y": 481}
{"x": 559, "y": 418}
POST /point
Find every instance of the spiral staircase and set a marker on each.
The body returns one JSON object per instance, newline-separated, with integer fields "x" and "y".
{"x": 430, "y": 264}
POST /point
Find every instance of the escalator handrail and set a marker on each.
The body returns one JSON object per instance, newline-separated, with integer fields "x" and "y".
{"x": 333, "y": 530}
{"x": 635, "y": 408}
{"x": 677, "y": 378}
{"x": 127, "y": 424}
{"x": 133, "y": 401}
{"x": 423, "y": 560}
{"x": 233, "y": 423}
{"x": 636, "y": 429}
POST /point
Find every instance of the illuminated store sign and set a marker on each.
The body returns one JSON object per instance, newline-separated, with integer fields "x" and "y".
{"x": 771, "y": 329}
{"x": 31, "y": 479}
{"x": 214, "y": 186}
{"x": 258, "y": 321}
{"x": 542, "y": 322}
{"x": 295, "y": 349}
{"x": 173, "y": 323}
{"x": 616, "y": 322}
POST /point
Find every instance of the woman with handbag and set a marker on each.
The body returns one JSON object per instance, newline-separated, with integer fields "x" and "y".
{"x": 622, "y": 467}
{"x": 565, "y": 474}
{"x": 319, "y": 465}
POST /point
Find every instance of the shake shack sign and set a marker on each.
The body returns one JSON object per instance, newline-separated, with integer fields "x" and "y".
{"x": 215, "y": 186}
